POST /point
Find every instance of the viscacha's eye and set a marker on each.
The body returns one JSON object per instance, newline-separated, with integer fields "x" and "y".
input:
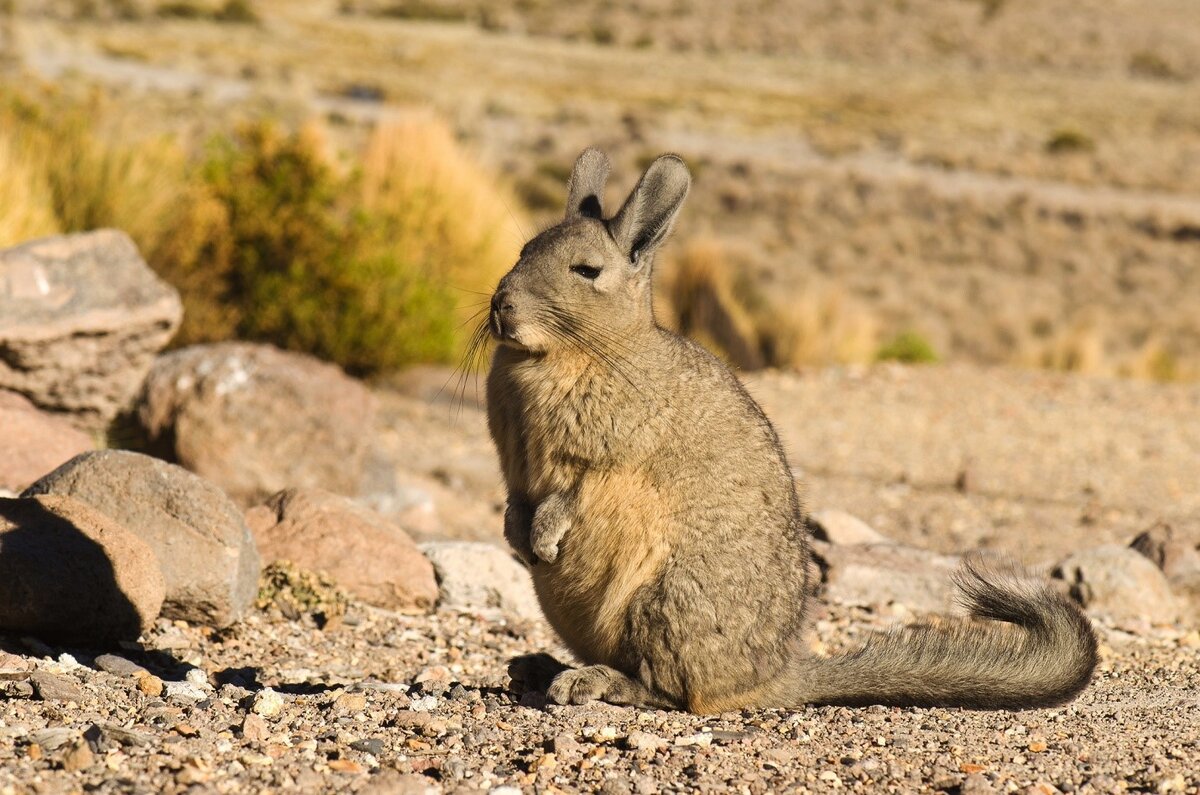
{"x": 586, "y": 271}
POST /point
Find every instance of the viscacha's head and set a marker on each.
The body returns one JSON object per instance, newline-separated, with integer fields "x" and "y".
{"x": 586, "y": 280}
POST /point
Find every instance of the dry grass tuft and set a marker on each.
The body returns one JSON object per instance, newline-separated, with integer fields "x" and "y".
{"x": 698, "y": 298}
{"x": 440, "y": 204}
{"x": 268, "y": 235}
{"x": 26, "y": 198}
{"x": 703, "y": 295}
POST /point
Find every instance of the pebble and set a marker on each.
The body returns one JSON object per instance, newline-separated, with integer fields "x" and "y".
{"x": 703, "y": 739}
{"x": 53, "y": 738}
{"x": 267, "y": 703}
{"x": 122, "y": 735}
{"x": 565, "y": 744}
{"x": 350, "y": 703}
{"x": 78, "y": 757}
{"x": 197, "y": 678}
{"x": 373, "y": 746}
{"x": 424, "y": 704}
{"x": 151, "y": 685}
{"x": 184, "y": 691}
{"x": 13, "y": 667}
{"x": 55, "y": 688}
{"x": 18, "y": 690}
{"x": 254, "y": 728}
{"x": 644, "y": 741}
{"x": 347, "y": 766}
{"x": 118, "y": 666}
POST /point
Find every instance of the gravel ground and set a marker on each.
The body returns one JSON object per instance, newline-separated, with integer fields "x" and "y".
{"x": 404, "y": 703}
{"x": 398, "y": 703}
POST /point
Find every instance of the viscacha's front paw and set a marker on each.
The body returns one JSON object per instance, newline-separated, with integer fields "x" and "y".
{"x": 550, "y": 524}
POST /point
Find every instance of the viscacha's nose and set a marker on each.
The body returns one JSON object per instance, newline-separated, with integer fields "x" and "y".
{"x": 501, "y": 302}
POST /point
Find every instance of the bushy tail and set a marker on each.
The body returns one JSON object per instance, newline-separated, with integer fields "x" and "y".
{"x": 1033, "y": 648}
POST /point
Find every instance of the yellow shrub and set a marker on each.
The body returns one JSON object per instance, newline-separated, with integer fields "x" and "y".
{"x": 26, "y": 199}
{"x": 438, "y": 205}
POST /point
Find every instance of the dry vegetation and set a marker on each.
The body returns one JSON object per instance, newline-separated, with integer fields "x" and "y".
{"x": 1001, "y": 181}
{"x": 270, "y": 235}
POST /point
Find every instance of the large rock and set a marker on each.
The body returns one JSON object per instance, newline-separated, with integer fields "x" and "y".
{"x": 81, "y": 318}
{"x": 1120, "y": 583}
{"x": 877, "y": 574}
{"x": 1173, "y": 552}
{"x": 207, "y": 555}
{"x": 475, "y": 576}
{"x": 363, "y": 552}
{"x": 33, "y": 442}
{"x": 68, "y": 573}
{"x": 256, "y": 420}
{"x": 1186, "y": 589}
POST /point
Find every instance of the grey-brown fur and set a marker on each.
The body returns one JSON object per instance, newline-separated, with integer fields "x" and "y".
{"x": 650, "y": 496}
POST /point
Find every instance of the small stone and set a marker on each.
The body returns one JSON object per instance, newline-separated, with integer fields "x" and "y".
{"x": 254, "y": 728}
{"x": 565, "y": 744}
{"x": 118, "y": 666}
{"x": 197, "y": 678}
{"x": 350, "y": 703}
{"x": 53, "y": 738}
{"x": 13, "y": 667}
{"x": 372, "y": 745}
{"x": 122, "y": 735}
{"x": 267, "y": 703}
{"x": 78, "y": 757}
{"x": 1176, "y": 783}
{"x": 830, "y": 778}
{"x": 543, "y": 762}
{"x": 18, "y": 690}
{"x": 977, "y": 784}
{"x": 151, "y": 685}
{"x": 781, "y": 755}
{"x": 644, "y": 741}
{"x": 346, "y": 766}
{"x": 1037, "y": 746}
{"x": 474, "y": 576}
{"x": 186, "y": 730}
{"x": 424, "y": 704}
{"x": 184, "y": 691}
{"x": 54, "y": 688}
{"x": 68, "y": 661}
{"x": 702, "y": 740}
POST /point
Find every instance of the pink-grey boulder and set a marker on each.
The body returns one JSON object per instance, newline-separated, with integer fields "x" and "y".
{"x": 81, "y": 319}
{"x": 33, "y": 442}
{"x": 199, "y": 536}
{"x": 70, "y": 574}
{"x": 370, "y": 557}
{"x": 255, "y": 420}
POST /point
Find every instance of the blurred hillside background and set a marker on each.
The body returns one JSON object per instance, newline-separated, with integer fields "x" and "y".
{"x": 996, "y": 181}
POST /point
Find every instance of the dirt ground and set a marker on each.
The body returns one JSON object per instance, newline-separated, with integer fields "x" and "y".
{"x": 392, "y": 704}
{"x": 412, "y": 703}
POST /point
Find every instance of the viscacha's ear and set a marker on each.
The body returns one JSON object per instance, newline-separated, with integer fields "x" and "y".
{"x": 585, "y": 189}
{"x": 645, "y": 219}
